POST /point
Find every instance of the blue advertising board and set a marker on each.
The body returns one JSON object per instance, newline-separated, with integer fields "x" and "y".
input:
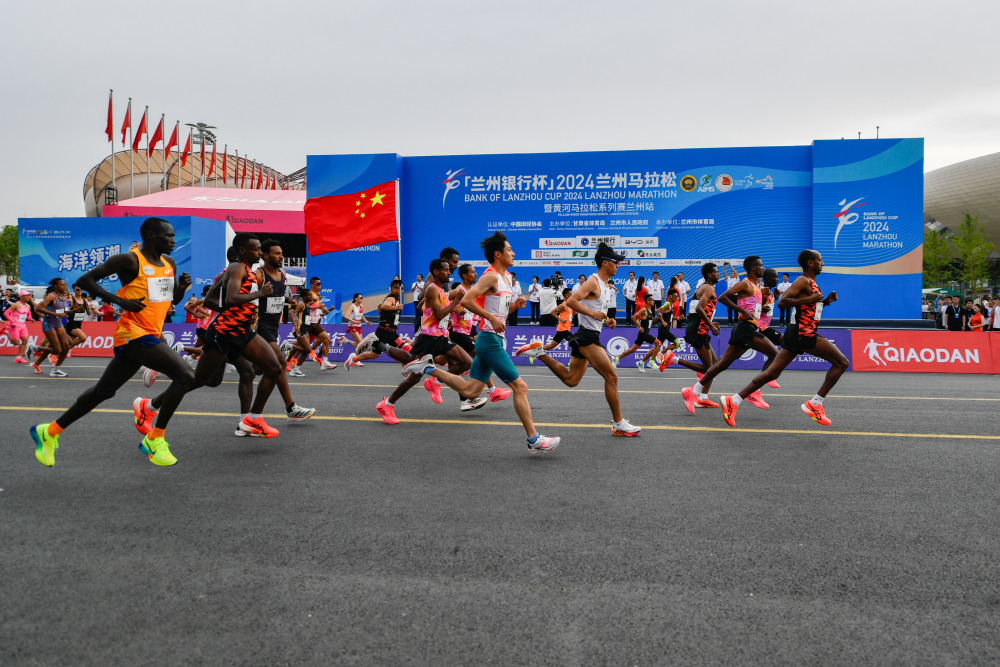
{"x": 857, "y": 202}
{"x": 69, "y": 247}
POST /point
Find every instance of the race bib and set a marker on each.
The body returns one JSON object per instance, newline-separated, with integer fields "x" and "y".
{"x": 468, "y": 317}
{"x": 23, "y": 317}
{"x": 756, "y": 310}
{"x": 395, "y": 320}
{"x": 60, "y": 311}
{"x": 311, "y": 319}
{"x": 160, "y": 289}
{"x": 692, "y": 306}
{"x": 275, "y": 304}
{"x": 504, "y": 305}
{"x": 819, "y": 311}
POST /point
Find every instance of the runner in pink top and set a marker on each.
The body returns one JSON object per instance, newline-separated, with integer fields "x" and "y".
{"x": 18, "y": 315}
{"x": 462, "y": 321}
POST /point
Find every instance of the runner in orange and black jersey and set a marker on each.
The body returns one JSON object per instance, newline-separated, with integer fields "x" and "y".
{"x": 801, "y": 337}
{"x": 701, "y": 327}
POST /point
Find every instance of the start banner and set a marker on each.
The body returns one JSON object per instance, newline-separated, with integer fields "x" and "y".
{"x": 923, "y": 351}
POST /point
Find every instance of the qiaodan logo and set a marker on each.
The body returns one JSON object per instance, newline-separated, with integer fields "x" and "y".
{"x": 450, "y": 183}
{"x": 846, "y": 216}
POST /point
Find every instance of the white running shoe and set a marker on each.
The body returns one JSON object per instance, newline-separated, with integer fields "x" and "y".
{"x": 614, "y": 362}
{"x": 543, "y": 444}
{"x": 297, "y": 413}
{"x": 367, "y": 343}
{"x": 624, "y": 428}
{"x": 473, "y": 403}
{"x": 420, "y": 366}
{"x": 351, "y": 361}
{"x": 326, "y": 366}
{"x": 532, "y": 350}
{"x": 230, "y": 368}
{"x": 149, "y": 377}
{"x": 641, "y": 366}
{"x": 57, "y": 373}
{"x": 296, "y": 373}
{"x": 240, "y": 433}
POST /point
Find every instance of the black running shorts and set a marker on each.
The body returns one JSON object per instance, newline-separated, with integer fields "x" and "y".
{"x": 387, "y": 336}
{"x": 560, "y": 336}
{"x": 435, "y": 346}
{"x": 582, "y": 338}
{"x": 743, "y": 335}
{"x": 231, "y": 346}
{"x": 796, "y": 343}
{"x": 644, "y": 337}
{"x": 268, "y": 331}
{"x": 464, "y": 341}
{"x": 664, "y": 334}
{"x": 772, "y": 335}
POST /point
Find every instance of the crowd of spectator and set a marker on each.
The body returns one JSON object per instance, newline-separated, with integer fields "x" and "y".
{"x": 954, "y": 314}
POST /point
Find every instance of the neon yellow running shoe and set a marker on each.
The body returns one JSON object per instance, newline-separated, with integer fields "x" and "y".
{"x": 45, "y": 444}
{"x": 158, "y": 451}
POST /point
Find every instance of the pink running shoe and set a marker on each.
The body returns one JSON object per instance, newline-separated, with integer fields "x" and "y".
{"x": 689, "y": 398}
{"x": 435, "y": 390}
{"x": 757, "y": 400}
{"x": 387, "y": 412}
{"x": 499, "y": 395}
{"x": 773, "y": 384}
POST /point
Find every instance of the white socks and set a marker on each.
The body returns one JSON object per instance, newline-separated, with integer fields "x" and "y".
{"x": 698, "y": 389}
{"x": 736, "y": 399}
{"x": 816, "y": 400}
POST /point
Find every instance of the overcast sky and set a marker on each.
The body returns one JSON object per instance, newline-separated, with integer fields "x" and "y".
{"x": 284, "y": 80}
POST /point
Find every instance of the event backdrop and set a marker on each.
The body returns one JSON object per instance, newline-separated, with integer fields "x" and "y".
{"x": 858, "y": 202}
{"x": 69, "y": 247}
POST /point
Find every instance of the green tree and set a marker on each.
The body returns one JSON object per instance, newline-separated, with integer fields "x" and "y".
{"x": 9, "y": 263}
{"x": 937, "y": 258}
{"x": 973, "y": 251}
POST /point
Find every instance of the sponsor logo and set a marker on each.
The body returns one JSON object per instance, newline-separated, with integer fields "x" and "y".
{"x": 706, "y": 180}
{"x": 846, "y": 215}
{"x": 557, "y": 243}
{"x": 581, "y": 253}
{"x": 924, "y": 355}
{"x": 617, "y": 345}
{"x": 148, "y": 270}
{"x": 450, "y": 183}
{"x": 168, "y": 338}
{"x": 724, "y": 183}
{"x": 585, "y": 241}
{"x": 689, "y": 183}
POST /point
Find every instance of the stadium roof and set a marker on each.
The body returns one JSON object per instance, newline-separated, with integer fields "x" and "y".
{"x": 971, "y": 186}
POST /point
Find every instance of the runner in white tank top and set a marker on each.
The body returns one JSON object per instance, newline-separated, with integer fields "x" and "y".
{"x": 590, "y": 302}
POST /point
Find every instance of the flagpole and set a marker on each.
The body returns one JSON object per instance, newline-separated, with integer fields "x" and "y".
{"x": 131, "y": 159}
{"x": 146, "y": 116}
{"x": 399, "y": 238}
{"x": 112, "y": 103}
{"x": 163, "y": 155}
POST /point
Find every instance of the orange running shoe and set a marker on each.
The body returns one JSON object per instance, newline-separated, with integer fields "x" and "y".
{"x": 817, "y": 413}
{"x": 144, "y": 416}
{"x": 729, "y": 409}
{"x": 257, "y": 427}
{"x": 666, "y": 360}
{"x": 689, "y": 398}
{"x": 757, "y": 400}
{"x": 773, "y": 384}
{"x": 388, "y": 412}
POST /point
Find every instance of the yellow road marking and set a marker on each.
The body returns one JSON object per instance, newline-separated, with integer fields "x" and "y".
{"x": 770, "y": 394}
{"x": 490, "y": 422}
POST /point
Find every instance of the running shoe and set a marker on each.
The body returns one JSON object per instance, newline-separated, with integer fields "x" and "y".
{"x": 624, "y": 428}
{"x": 31, "y": 350}
{"x": 773, "y": 384}
{"x": 20, "y": 360}
{"x": 241, "y": 433}
{"x": 543, "y": 443}
{"x": 532, "y": 350}
{"x": 358, "y": 364}
{"x": 435, "y": 389}
{"x": 230, "y": 368}
{"x": 614, "y": 361}
{"x": 57, "y": 373}
{"x": 315, "y": 357}
{"x": 351, "y": 360}
{"x": 729, "y": 409}
{"x": 406, "y": 348}
{"x": 69, "y": 355}
{"x": 472, "y": 403}
{"x": 343, "y": 340}
{"x": 689, "y": 398}
{"x": 705, "y": 403}
{"x": 296, "y": 372}
{"x": 667, "y": 359}
{"x": 326, "y": 366}
{"x": 149, "y": 377}
{"x": 297, "y": 413}
{"x": 499, "y": 394}
{"x": 45, "y": 444}
{"x": 257, "y": 427}
{"x": 53, "y": 358}
{"x": 144, "y": 415}
{"x": 158, "y": 451}
{"x": 37, "y": 366}
{"x": 641, "y": 366}
{"x": 816, "y": 412}
{"x": 288, "y": 366}
{"x": 388, "y": 412}
{"x": 756, "y": 399}
{"x": 424, "y": 364}
{"x": 367, "y": 343}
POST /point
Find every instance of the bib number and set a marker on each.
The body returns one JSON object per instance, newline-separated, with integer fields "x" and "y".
{"x": 819, "y": 311}
{"x": 60, "y": 311}
{"x": 504, "y": 306}
{"x": 160, "y": 289}
{"x": 395, "y": 320}
{"x": 756, "y": 311}
{"x": 23, "y": 317}
{"x": 275, "y": 304}
{"x": 692, "y": 306}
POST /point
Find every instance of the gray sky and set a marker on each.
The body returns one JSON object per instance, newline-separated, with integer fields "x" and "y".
{"x": 421, "y": 77}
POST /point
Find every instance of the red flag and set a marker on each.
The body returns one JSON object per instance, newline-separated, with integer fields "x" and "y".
{"x": 342, "y": 222}
{"x": 271, "y": 186}
{"x": 225, "y": 165}
{"x": 212, "y": 167}
{"x": 203, "y": 153}
{"x": 260, "y": 176}
{"x": 138, "y": 133}
{"x": 172, "y": 143}
{"x": 187, "y": 150}
{"x": 243, "y": 180}
{"x": 127, "y": 124}
{"x": 110, "y": 130}
{"x": 155, "y": 139}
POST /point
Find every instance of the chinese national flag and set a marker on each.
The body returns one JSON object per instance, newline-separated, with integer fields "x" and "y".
{"x": 127, "y": 123}
{"x": 138, "y": 133}
{"x": 225, "y": 165}
{"x": 110, "y": 129}
{"x": 187, "y": 150}
{"x": 155, "y": 139}
{"x": 342, "y": 222}
{"x": 211, "y": 167}
{"x": 172, "y": 143}
{"x": 243, "y": 178}
{"x": 260, "y": 177}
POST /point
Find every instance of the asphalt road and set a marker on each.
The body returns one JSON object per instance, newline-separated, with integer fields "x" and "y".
{"x": 443, "y": 541}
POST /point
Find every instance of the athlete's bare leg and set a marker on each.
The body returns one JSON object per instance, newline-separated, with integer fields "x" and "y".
{"x": 780, "y": 363}
{"x": 259, "y": 352}
{"x": 76, "y": 336}
{"x": 599, "y": 359}
{"x": 568, "y": 376}
{"x": 731, "y": 354}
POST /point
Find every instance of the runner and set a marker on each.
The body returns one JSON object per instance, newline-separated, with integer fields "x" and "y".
{"x": 766, "y": 313}
{"x": 232, "y": 335}
{"x": 748, "y": 306}
{"x": 386, "y": 338}
{"x": 301, "y": 349}
{"x": 800, "y": 337}
{"x": 564, "y": 324}
{"x": 314, "y": 325}
{"x": 79, "y": 310}
{"x": 590, "y": 303}
{"x": 643, "y": 321}
{"x": 149, "y": 286}
{"x": 270, "y": 309}
{"x": 355, "y": 318}
{"x": 492, "y": 299}
{"x": 18, "y": 315}
{"x": 701, "y": 327}
{"x": 53, "y": 309}
{"x": 462, "y": 322}
{"x": 432, "y": 342}
{"x": 663, "y": 332}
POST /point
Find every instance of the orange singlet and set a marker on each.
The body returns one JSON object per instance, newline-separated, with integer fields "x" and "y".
{"x": 155, "y": 286}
